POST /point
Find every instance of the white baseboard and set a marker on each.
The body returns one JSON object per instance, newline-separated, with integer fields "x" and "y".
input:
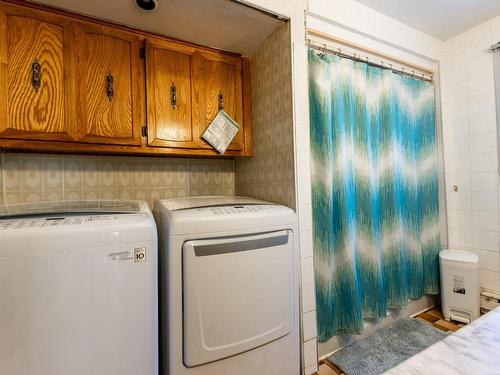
{"x": 489, "y": 300}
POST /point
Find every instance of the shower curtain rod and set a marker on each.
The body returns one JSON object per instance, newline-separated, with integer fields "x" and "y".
{"x": 405, "y": 67}
{"x": 495, "y": 47}
{"x": 402, "y": 71}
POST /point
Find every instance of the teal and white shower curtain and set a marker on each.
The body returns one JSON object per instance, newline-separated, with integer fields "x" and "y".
{"x": 374, "y": 191}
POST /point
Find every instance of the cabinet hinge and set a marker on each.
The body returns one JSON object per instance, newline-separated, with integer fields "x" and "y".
{"x": 145, "y": 131}
{"x": 142, "y": 53}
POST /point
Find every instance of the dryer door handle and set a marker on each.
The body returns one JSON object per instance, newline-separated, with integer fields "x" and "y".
{"x": 233, "y": 245}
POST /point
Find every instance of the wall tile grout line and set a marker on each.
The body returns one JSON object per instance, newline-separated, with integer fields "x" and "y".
{"x": 54, "y": 177}
{"x": 63, "y": 180}
{"x": 4, "y": 178}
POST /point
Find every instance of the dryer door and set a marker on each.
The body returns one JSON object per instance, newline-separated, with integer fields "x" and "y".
{"x": 238, "y": 294}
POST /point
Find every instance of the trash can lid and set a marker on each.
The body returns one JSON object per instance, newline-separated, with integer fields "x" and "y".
{"x": 459, "y": 256}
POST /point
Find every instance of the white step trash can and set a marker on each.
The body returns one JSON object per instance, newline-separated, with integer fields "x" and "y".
{"x": 460, "y": 294}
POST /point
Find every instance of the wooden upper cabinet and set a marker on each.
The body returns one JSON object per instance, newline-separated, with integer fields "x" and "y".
{"x": 36, "y": 97}
{"x": 169, "y": 91}
{"x": 72, "y": 84}
{"x": 185, "y": 88}
{"x": 217, "y": 80}
{"x": 108, "y": 84}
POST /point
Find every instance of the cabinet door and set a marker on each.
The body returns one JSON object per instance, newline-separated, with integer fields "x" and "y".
{"x": 217, "y": 81}
{"x": 108, "y": 82}
{"x": 168, "y": 87}
{"x": 36, "y": 96}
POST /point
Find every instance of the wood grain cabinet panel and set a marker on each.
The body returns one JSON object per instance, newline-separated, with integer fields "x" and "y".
{"x": 108, "y": 86}
{"x": 218, "y": 76}
{"x": 36, "y": 100}
{"x": 168, "y": 87}
{"x": 69, "y": 83}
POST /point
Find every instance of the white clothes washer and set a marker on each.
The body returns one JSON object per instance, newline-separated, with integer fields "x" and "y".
{"x": 78, "y": 289}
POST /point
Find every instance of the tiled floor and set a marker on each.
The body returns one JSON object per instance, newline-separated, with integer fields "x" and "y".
{"x": 326, "y": 368}
{"x": 433, "y": 316}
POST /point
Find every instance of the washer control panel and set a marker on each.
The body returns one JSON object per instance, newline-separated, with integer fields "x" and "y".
{"x": 53, "y": 221}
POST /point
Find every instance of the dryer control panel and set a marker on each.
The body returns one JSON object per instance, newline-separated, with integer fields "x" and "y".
{"x": 227, "y": 210}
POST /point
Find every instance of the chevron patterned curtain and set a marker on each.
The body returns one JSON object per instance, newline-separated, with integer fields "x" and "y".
{"x": 374, "y": 191}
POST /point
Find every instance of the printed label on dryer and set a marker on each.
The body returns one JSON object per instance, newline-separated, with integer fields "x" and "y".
{"x": 119, "y": 256}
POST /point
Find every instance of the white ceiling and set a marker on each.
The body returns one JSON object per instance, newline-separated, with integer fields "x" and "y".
{"x": 220, "y": 24}
{"x": 442, "y": 19}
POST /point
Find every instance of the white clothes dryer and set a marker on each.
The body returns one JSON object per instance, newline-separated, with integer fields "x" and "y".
{"x": 229, "y": 287}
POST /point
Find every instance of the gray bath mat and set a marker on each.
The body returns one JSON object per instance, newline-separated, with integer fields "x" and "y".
{"x": 386, "y": 347}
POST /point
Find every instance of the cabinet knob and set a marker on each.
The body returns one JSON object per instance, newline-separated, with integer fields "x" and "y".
{"x": 36, "y": 74}
{"x": 221, "y": 100}
{"x": 109, "y": 86}
{"x": 173, "y": 96}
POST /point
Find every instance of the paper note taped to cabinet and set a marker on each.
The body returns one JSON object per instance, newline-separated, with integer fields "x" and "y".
{"x": 221, "y": 131}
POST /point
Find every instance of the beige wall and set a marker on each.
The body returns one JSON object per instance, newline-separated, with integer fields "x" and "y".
{"x": 39, "y": 177}
{"x": 269, "y": 174}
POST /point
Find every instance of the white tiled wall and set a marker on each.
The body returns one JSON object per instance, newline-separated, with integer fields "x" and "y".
{"x": 360, "y": 23}
{"x": 303, "y": 181}
{"x": 472, "y": 212}
{"x": 470, "y": 147}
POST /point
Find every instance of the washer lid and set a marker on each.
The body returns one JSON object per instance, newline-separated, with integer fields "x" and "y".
{"x": 72, "y": 207}
{"x": 186, "y": 203}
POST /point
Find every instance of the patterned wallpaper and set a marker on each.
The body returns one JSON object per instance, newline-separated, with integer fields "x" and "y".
{"x": 39, "y": 177}
{"x": 269, "y": 175}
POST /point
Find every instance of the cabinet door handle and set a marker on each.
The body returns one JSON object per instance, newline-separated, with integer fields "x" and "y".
{"x": 36, "y": 74}
{"x": 221, "y": 100}
{"x": 173, "y": 96}
{"x": 109, "y": 86}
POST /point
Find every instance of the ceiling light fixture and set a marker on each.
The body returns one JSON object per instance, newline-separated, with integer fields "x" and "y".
{"x": 147, "y": 5}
